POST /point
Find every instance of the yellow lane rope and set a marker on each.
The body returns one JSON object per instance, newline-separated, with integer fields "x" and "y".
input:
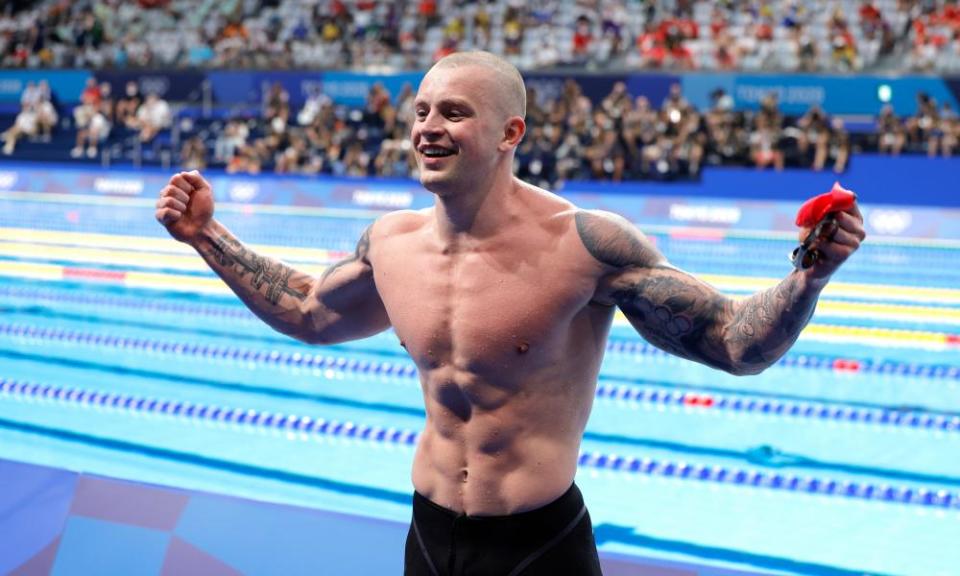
{"x": 40, "y": 240}
{"x": 42, "y": 243}
{"x": 860, "y": 291}
{"x": 214, "y": 286}
{"x": 138, "y": 259}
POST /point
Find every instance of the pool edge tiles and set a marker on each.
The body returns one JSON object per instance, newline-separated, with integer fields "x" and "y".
{"x": 222, "y": 535}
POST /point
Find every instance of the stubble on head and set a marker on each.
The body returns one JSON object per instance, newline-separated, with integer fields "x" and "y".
{"x": 507, "y": 86}
{"x": 494, "y": 90}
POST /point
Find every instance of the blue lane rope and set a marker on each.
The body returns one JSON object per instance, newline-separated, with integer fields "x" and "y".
{"x": 919, "y": 496}
{"x": 649, "y": 395}
{"x": 808, "y": 410}
{"x": 137, "y": 304}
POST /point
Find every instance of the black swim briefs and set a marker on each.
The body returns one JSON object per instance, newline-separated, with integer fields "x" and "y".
{"x": 556, "y": 539}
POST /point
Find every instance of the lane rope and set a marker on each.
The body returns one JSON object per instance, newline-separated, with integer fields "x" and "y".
{"x": 734, "y": 402}
{"x": 746, "y": 477}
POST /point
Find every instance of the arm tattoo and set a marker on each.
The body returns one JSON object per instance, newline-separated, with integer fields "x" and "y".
{"x": 230, "y": 253}
{"x": 682, "y": 315}
{"x": 674, "y": 312}
{"x": 610, "y": 241}
{"x": 359, "y": 254}
{"x": 765, "y": 325}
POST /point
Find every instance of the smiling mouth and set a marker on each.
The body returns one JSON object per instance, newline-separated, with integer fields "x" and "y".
{"x": 436, "y": 152}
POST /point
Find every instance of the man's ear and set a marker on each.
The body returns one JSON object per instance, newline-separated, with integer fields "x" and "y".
{"x": 513, "y": 132}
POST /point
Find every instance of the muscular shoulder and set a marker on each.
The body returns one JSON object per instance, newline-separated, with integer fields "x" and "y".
{"x": 396, "y": 226}
{"x": 612, "y": 240}
{"x": 400, "y": 222}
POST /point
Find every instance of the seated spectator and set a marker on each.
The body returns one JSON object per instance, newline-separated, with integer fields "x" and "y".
{"x": 245, "y": 160}
{"x": 356, "y": 162}
{"x": 639, "y": 131}
{"x": 25, "y": 124}
{"x": 923, "y": 127}
{"x": 726, "y": 55}
{"x": 193, "y": 155}
{"x": 39, "y": 97}
{"x": 36, "y": 118}
{"x": 838, "y": 147}
{"x": 93, "y": 122}
{"x": 582, "y": 39}
{"x": 764, "y": 144}
{"x": 950, "y": 130}
{"x": 152, "y": 117}
{"x": 276, "y": 104}
{"x": 128, "y": 104}
{"x": 808, "y": 54}
{"x": 891, "y": 134}
{"x": 812, "y": 136}
{"x": 512, "y": 32}
{"x": 378, "y": 111}
{"x": 292, "y": 159}
{"x": 311, "y": 108}
{"x": 652, "y": 46}
{"x": 92, "y": 128}
{"x": 233, "y": 137}
{"x": 843, "y": 45}
{"x": 394, "y": 158}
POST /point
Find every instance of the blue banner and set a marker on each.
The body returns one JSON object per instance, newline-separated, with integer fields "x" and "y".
{"x": 345, "y": 88}
{"x": 65, "y": 85}
{"x": 351, "y": 89}
{"x": 656, "y": 87}
{"x": 176, "y": 86}
{"x": 835, "y": 94}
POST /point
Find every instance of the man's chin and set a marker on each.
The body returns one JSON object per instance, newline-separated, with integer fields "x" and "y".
{"x": 436, "y": 183}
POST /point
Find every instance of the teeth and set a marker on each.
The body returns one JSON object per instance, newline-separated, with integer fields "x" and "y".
{"x": 432, "y": 151}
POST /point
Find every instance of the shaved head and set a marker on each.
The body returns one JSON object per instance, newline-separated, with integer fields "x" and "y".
{"x": 508, "y": 83}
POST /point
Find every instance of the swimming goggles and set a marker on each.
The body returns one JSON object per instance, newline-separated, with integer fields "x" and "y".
{"x": 806, "y": 254}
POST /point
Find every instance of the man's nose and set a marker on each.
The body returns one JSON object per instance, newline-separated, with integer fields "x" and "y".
{"x": 430, "y": 125}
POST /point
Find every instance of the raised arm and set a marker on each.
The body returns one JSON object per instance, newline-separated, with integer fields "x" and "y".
{"x": 343, "y": 304}
{"x": 687, "y": 317}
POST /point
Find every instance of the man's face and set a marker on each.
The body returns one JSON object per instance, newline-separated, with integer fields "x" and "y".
{"x": 458, "y": 128}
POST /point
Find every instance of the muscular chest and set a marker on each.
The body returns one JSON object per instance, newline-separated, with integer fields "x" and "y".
{"x": 480, "y": 309}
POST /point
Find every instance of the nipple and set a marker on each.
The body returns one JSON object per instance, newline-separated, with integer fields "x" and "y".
{"x": 522, "y": 348}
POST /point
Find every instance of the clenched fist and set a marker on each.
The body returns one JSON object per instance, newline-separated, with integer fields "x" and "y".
{"x": 185, "y": 205}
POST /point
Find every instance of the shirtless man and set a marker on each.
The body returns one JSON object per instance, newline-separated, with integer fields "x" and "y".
{"x": 503, "y": 295}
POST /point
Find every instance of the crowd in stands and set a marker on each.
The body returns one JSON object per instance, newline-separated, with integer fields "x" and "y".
{"x": 790, "y": 35}
{"x": 569, "y": 137}
{"x": 621, "y": 137}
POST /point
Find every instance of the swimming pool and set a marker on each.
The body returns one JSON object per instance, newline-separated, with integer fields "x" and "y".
{"x": 123, "y": 356}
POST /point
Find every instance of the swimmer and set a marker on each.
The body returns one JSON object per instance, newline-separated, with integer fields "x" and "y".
{"x": 503, "y": 295}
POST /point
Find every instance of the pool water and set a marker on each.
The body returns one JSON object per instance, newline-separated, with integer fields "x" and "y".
{"x": 121, "y": 355}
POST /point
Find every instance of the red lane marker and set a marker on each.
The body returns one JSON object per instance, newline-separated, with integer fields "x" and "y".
{"x": 94, "y": 274}
{"x": 703, "y": 400}
{"x": 845, "y": 365}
